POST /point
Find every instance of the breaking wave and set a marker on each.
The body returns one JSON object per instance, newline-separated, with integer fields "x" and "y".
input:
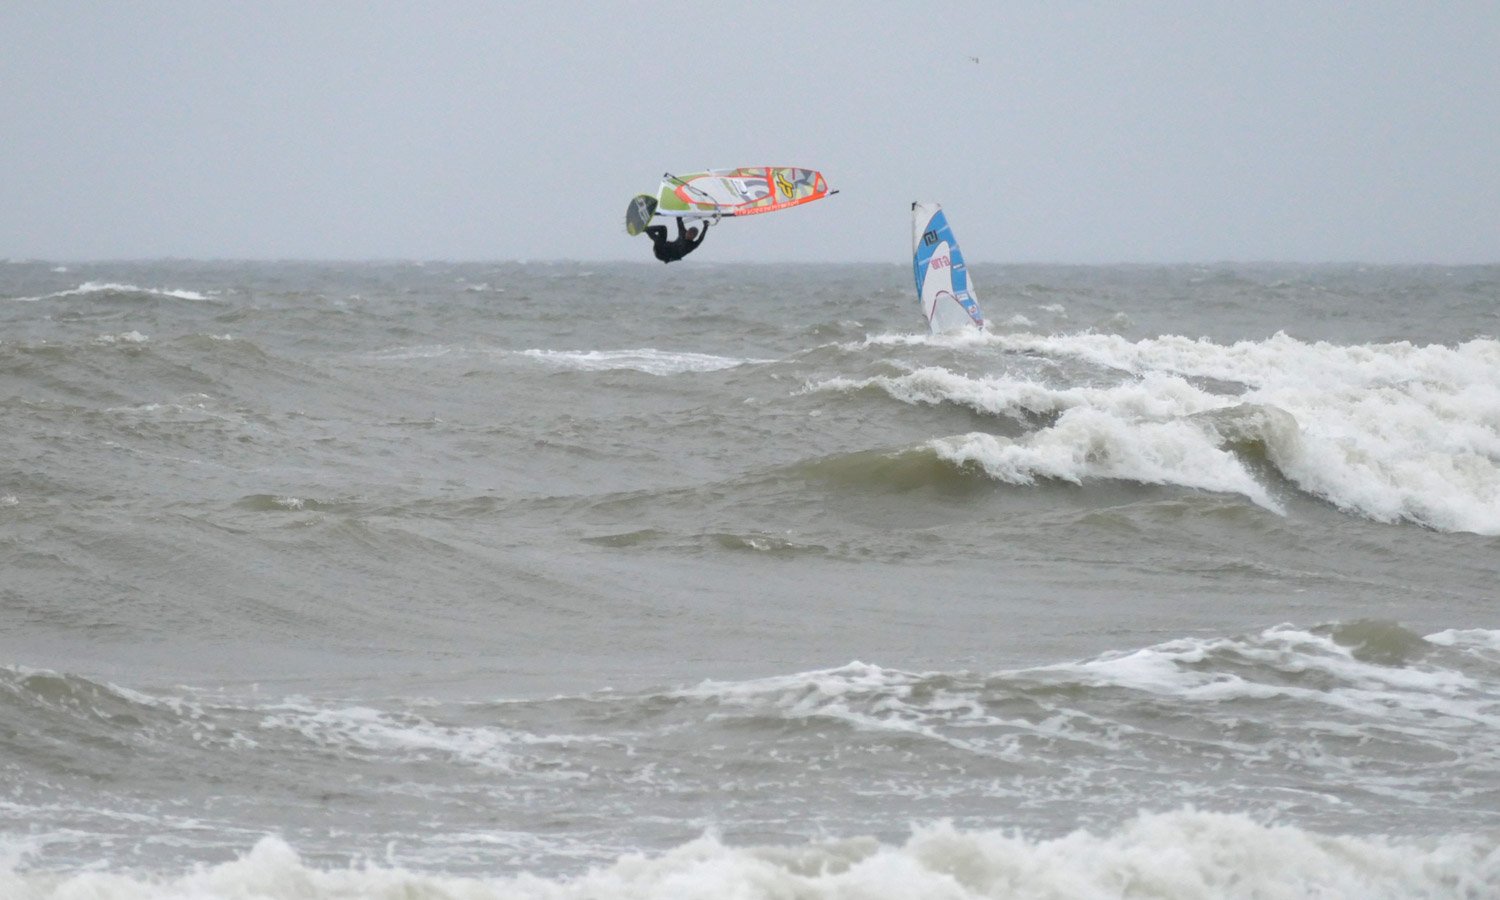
{"x": 1392, "y": 432}
{"x": 1184, "y": 855}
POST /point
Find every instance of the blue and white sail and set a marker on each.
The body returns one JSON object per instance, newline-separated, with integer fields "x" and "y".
{"x": 943, "y": 285}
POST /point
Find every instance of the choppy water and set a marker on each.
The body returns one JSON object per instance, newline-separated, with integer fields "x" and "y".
{"x": 606, "y": 580}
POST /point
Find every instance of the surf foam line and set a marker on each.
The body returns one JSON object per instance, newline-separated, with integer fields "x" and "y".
{"x": 100, "y": 287}
{"x": 1392, "y": 432}
{"x": 648, "y": 360}
{"x": 1183, "y": 855}
{"x": 1374, "y": 674}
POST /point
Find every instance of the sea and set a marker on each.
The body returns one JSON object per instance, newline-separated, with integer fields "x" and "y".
{"x": 591, "y": 581}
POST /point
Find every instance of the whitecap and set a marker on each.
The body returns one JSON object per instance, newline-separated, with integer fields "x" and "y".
{"x": 128, "y": 337}
{"x": 648, "y": 360}
{"x": 1182, "y": 854}
{"x": 112, "y": 287}
{"x": 1392, "y": 432}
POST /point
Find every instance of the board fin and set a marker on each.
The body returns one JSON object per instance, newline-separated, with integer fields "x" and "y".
{"x": 639, "y": 213}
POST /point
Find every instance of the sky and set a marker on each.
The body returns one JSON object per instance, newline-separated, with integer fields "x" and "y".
{"x": 1151, "y": 132}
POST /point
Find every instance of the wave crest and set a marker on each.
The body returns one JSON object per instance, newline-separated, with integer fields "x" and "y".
{"x": 1391, "y": 432}
{"x": 1183, "y": 854}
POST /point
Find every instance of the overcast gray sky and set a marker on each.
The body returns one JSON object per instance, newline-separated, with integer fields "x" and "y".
{"x": 1098, "y": 132}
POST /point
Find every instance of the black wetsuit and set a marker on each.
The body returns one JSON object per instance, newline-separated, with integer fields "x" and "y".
{"x": 673, "y": 250}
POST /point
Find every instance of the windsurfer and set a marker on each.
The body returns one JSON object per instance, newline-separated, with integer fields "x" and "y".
{"x": 686, "y": 241}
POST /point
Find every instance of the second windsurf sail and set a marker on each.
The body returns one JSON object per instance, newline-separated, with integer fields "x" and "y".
{"x": 943, "y": 287}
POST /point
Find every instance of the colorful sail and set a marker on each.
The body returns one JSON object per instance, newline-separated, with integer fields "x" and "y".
{"x": 721, "y": 193}
{"x": 944, "y": 289}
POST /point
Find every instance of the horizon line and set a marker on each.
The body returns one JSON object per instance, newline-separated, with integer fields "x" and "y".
{"x": 419, "y": 260}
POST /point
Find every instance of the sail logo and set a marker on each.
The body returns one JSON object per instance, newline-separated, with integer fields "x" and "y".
{"x": 940, "y": 262}
{"x": 930, "y": 238}
{"x": 785, "y": 184}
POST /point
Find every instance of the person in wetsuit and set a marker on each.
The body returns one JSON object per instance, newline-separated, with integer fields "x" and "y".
{"x": 686, "y": 241}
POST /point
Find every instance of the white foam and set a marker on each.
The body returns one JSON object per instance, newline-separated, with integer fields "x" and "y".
{"x": 1149, "y": 430}
{"x": 1172, "y": 856}
{"x": 409, "y": 737}
{"x": 1429, "y": 700}
{"x": 956, "y": 338}
{"x": 1474, "y": 639}
{"x": 1393, "y": 432}
{"x": 128, "y": 337}
{"x": 1095, "y": 445}
{"x": 112, "y": 287}
{"x": 853, "y": 677}
{"x": 1420, "y": 694}
{"x": 1390, "y": 431}
{"x": 865, "y": 697}
{"x": 648, "y": 360}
